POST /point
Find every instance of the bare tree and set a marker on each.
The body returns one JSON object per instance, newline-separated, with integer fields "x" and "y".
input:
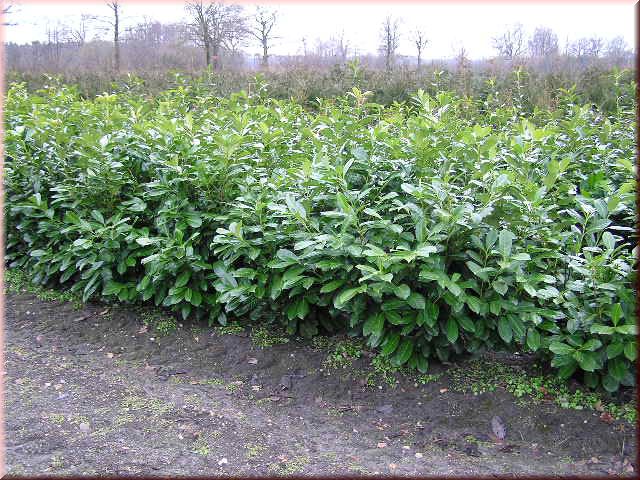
{"x": 199, "y": 27}
{"x": 114, "y": 5}
{"x": 586, "y": 47}
{"x": 341, "y": 46}
{"x": 389, "y": 40}
{"x": 511, "y": 43}
{"x": 420, "y": 40}
{"x": 235, "y": 39}
{"x": 212, "y": 25}
{"x": 543, "y": 43}
{"x": 79, "y": 34}
{"x": 596, "y": 45}
{"x": 463, "y": 72}
{"x": 618, "y": 50}
{"x": 262, "y": 25}
{"x": 58, "y": 35}
{"x": 152, "y": 34}
{"x": 108, "y": 23}
{"x": 578, "y": 48}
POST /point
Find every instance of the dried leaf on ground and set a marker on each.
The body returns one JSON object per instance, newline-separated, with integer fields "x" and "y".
{"x": 498, "y": 427}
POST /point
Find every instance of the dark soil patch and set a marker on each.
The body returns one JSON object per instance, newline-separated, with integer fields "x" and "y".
{"x": 101, "y": 396}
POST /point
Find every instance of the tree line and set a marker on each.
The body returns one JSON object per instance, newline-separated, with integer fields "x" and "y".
{"x": 216, "y": 34}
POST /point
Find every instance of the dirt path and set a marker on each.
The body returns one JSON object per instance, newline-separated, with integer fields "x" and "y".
{"x": 101, "y": 395}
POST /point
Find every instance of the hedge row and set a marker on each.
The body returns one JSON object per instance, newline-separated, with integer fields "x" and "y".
{"x": 429, "y": 231}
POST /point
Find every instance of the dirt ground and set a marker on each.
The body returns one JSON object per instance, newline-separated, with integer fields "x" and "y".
{"x": 95, "y": 392}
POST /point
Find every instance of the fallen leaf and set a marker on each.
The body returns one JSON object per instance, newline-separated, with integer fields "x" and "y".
{"x": 419, "y": 455}
{"x": 252, "y": 361}
{"x": 382, "y": 445}
{"x": 84, "y": 427}
{"x": 144, "y": 329}
{"x": 444, "y": 390}
{"x": 109, "y": 355}
{"x": 223, "y": 461}
{"x": 256, "y": 388}
{"x": 498, "y": 427}
{"x": 598, "y": 406}
{"x": 385, "y": 409}
{"x": 104, "y": 312}
{"x": 606, "y": 417}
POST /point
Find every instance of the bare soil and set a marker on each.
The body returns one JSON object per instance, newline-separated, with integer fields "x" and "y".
{"x": 89, "y": 392}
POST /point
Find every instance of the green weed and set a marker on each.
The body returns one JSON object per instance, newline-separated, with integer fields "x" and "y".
{"x": 264, "y": 337}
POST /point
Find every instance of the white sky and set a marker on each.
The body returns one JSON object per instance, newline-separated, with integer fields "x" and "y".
{"x": 448, "y": 25}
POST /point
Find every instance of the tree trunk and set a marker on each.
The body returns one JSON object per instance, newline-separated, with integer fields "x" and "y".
{"x": 216, "y": 57}
{"x": 207, "y": 53}
{"x": 116, "y": 39}
{"x": 419, "y": 58}
{"x": 265, "y": 54}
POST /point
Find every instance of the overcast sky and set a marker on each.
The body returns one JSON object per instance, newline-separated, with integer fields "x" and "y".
{"x": 448, "y": 25}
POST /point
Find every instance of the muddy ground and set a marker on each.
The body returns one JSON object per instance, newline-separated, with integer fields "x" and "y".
{"x": 91, "y": 391}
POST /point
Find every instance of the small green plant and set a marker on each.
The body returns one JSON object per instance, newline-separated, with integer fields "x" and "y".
{"x": 230, "y": 329}
{"x": 166, "y": 326}
{"x": 254, "y": 450}
{"x": 78, "y": 419}
{"x": 57, "y": 461}
{"x": 481, "y": 376}
{"x": 234, "y": 386}
{"x": 209, "y": 381}
{"x": 321, "y": 343}
{"x": 289, "y": 466}
{"x": 263, "y": 337}
{"x": 342, "y": 354}
{"x": 155, "y": 406}
{"x": 57, "y": 418}
{"x": 425, "y": 378}
{"x": 334, "y": 412}
{"x": 201, "y": 447}
{"x": 381, "y": 368}
{"x": 17, "y": 281}
{"x": 155, "y": 318}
